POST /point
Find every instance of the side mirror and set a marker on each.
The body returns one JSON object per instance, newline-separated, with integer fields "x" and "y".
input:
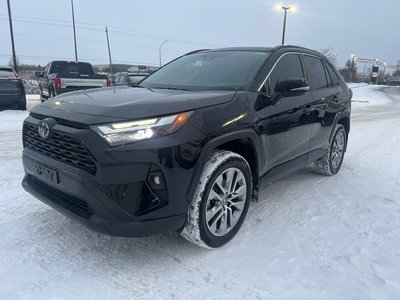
{"x": 292, "y": 86}
{"x": 39, "y": 74}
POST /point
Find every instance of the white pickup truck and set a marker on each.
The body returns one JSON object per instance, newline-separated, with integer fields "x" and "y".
{"x": 67, "y": 76}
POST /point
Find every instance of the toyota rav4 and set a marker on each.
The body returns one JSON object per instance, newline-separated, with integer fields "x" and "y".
{"x": 189, "y": 148}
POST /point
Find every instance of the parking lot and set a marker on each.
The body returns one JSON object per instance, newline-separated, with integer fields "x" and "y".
{"x": 309, "y": 236}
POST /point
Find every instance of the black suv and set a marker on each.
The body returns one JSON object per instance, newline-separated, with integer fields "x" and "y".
{"x": 189, "y": 148}
{"x": 12, "y": 90}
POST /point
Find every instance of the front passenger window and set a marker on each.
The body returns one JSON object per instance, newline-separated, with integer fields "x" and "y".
{"x": 289, "y": 66}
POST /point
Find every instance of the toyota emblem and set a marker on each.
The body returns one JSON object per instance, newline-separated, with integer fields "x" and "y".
{"x": 43, "y": 129}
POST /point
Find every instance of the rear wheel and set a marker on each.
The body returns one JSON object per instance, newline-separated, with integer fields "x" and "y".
{"x": 332, "y": 161}
{"x": 52, "y": 93}
{"x": 42, "y": 97}
{"x": 221, "y": 201}
{"x": 22, "y": 105}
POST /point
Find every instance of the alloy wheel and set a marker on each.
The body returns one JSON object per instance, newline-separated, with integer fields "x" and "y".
{"x": 226, "y": 201}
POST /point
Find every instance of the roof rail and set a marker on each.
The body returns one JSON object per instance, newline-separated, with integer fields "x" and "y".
{"x": 195, "y": 51}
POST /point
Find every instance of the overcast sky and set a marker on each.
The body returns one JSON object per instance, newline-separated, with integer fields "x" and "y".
{"x": 43, "y": 32}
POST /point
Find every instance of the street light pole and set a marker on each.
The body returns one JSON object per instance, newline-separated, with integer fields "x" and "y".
{"x": 285, "y": 8}
{"x": 159, "y": 51}
{"x": 73, "y": 25}
{"x": 12, "y": 37}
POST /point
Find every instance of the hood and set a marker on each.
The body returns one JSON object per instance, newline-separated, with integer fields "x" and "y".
{"x": 126, "y": 103}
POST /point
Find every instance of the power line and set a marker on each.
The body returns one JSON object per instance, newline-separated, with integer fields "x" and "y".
{"x": 53, "y": 24}
{"x": 122, "y": 31}
{"x": 47, "y": 58}
{"x": 86, "y": 40}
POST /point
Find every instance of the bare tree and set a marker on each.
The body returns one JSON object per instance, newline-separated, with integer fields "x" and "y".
{"x": 11, "y": 62}
{"x": 329, "y": 53}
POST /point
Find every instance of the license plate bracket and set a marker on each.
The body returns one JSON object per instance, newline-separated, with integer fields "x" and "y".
{"x": 47, "y": 174}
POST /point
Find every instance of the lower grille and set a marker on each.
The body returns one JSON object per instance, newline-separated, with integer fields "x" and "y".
{"x": 59, "y": 146}
{"x": 73, "y": 204}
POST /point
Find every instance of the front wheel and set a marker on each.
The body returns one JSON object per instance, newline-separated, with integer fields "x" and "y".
{"x": 221, "y": 201}
{"x": 332, "y": 161}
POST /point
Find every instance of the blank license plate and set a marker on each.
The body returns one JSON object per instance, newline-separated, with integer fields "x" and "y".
{"x": 47, "y": 173}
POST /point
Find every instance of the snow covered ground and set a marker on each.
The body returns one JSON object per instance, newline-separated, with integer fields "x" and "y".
{"x": 309, "y": 237}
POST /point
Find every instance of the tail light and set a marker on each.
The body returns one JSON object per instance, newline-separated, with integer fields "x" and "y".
{"x": 108, "y": 82}
{"x": 15, "y": 79}
{"x": 57, "y": 82}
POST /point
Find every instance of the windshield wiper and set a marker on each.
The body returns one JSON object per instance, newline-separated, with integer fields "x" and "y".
{"x": 172, "y": 88}
{"x": 142, "y": 87}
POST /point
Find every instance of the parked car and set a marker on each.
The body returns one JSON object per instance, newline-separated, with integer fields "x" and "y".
{"x": 125, "y": 78}
{"x": 12, "y": 90}
{"x": 190, "y": 147}
{"x": 66, "y": 76}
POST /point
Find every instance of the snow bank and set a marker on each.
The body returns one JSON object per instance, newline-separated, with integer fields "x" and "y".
{"x": 375, "y": 95}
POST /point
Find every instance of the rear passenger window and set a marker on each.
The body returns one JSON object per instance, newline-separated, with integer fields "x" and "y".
{"x": 332, "y": 74}
{"x": 289, "y": 66}
{"x": 316, "y": 72}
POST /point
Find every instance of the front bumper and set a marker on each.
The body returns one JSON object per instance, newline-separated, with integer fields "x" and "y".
{"x": 106, "y": 226}
{"x": 119, "y": 198}
{"x": 6, "y": 100}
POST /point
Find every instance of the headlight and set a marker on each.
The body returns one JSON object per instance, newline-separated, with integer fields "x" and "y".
{"x": 127, "y": 132}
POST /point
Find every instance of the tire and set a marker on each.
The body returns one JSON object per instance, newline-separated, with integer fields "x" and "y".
{"x": 332, "y": 161}
{"x": 22, "y": 106}
{"x": 42, "y": 97}
{"x": 216, "y": 214}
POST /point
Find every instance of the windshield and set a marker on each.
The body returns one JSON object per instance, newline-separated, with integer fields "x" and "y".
{"x": 214, "y": 70}
{"x": 4, "y": 73}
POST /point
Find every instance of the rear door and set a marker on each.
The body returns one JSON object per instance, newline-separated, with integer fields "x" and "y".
{"x": 325, "y": 91}
{"x": 287, "y": 127}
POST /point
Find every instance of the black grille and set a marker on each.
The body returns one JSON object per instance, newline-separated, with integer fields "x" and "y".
{"x": 78, "y": 206}
{"x": 59, "y": 146}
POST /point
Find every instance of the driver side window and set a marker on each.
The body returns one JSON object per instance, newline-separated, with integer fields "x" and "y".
{"x": 289, "y": 66}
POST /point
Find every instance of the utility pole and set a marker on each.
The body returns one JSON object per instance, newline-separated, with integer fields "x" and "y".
{"x": 109, "y": 51}
{"x": 159, "y": 51}
{"x": 12, "y": 37}
{"x": 285, "y": 8}
{"x": 73, "y": 25}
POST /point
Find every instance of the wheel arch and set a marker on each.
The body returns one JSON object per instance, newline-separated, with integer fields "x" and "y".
{"x": 245, "y": 143}
{"x": 342, "y": 118}
{"x": 345, "y": 121}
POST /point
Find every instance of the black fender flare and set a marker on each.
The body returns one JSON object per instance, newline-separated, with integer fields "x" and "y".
{"x": 214, "y": 143}
{"x": 339, "y": 116}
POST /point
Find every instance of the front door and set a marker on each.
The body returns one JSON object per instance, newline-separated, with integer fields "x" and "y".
{"x": 288, "y": 128}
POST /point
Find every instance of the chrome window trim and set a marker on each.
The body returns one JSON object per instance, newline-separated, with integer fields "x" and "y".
{"x": 280, "y": 57}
